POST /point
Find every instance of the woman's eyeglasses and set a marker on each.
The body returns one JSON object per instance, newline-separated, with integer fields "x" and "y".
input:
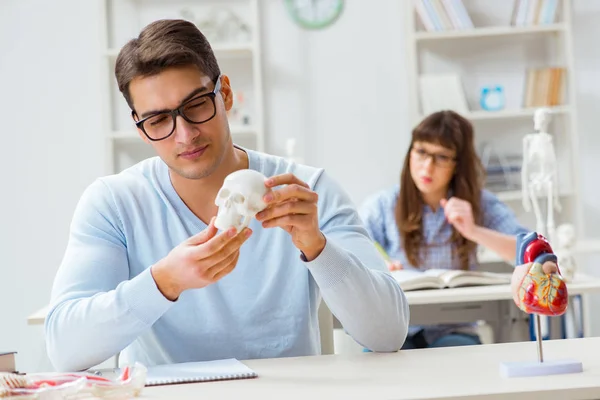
{"x": 442, "y": 160}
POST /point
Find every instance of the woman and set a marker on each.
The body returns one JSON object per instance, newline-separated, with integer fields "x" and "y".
{"x": 440, "y": 213}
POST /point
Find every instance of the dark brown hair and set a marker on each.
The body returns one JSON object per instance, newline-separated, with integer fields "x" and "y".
{"x": 163, "y": 44}
{"x": 450, "y": 130}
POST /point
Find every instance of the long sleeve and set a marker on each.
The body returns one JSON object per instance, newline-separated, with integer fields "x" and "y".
{"x": 372, "y": 214}
{"x": 352, "y": 276}
{"x": 96, "y": 310}
{"x": 498, "y": 216}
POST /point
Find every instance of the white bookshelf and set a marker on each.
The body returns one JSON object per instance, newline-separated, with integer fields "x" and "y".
{"x": 496, "y": 51}
{"x": 240, "y": 60}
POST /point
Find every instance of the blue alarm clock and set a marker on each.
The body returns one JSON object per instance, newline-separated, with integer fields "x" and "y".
{"x": 492, "y": 98}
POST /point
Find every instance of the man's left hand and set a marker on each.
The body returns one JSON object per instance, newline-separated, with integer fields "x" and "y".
{"x": 294, "y": 208}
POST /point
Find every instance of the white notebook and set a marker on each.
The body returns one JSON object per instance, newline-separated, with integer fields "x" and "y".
{"x": 201, "y": 371}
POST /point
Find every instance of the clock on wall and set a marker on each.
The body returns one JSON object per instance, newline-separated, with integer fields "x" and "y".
{"x": 314, "y": 14}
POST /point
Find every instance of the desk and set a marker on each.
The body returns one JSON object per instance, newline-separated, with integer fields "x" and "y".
{"x": 38, "y": 317}
{"x": 582, "y": 284}
{"x": 466, "y": 304}
{"x": 492, "y": 303}
{"x": 441, "y": 373}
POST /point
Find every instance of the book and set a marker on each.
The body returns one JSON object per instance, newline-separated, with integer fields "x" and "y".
{"x": 411, "y": 279}
{"x": 7, "y": 361}
{"x": 200, "y": 371}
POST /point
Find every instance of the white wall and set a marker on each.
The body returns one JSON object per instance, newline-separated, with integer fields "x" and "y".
{"x": 49, "y": 102}
{"x": 587, "y": 60}
{"x": 339, "y": 91}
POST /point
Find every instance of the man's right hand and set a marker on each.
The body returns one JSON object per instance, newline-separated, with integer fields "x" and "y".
{"x": 199, "y": 261}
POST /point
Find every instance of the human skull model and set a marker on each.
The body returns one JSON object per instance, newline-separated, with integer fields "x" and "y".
{"x": 240, "y": 199}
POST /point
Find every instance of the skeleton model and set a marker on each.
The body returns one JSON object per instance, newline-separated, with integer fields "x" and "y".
{"x": 240, "y": 199}
{"x": 539, "y": 174}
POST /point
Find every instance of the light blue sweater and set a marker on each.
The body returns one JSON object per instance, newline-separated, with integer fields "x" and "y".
{"x": 105, "y": 301}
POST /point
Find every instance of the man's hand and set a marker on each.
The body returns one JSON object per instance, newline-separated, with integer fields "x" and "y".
{"x": 459, "y": 214}
{"x": 199, "y": 261}
{"x": 294, "y": 208}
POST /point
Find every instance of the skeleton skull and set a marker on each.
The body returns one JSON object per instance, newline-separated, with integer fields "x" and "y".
{"x": 541, "y": 118}
{"x": 240, "y": 199}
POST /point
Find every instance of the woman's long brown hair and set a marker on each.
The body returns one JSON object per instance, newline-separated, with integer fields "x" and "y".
{"x": 450, "y": 130}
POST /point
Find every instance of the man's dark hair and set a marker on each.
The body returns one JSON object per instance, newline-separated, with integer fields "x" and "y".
{"x": 163, "y": 44}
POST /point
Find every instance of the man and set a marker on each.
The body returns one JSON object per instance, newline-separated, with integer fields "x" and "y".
{"x": 147, "y": 274}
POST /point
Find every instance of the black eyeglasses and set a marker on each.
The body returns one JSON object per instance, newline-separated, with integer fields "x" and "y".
{"x": 421, "y": 155}
{"x": 197, "y": 110}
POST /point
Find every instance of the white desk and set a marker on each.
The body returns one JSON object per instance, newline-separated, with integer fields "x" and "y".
{"x": 492, "y": 304}
{"x": 441, "y": 373}
{"x": 38, "y": 317}
{"x": 582, "y": 284}
{"x": 467, "y": 304}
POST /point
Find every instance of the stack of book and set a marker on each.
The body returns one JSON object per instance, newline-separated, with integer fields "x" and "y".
{"x": 443, "y": 15}
{"x": 544, "y": 87}
{"x": 534, "y": 12}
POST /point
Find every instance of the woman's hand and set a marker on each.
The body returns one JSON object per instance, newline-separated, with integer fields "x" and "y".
{"x": 459, "y": 214}
{"x": 394, "y": 265}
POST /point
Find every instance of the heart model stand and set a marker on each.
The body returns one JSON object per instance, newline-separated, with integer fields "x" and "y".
{"x": 540, "y": 294}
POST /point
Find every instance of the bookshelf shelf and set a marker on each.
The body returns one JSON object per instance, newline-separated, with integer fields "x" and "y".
{"x": 517, "y": 195}
{"x": 238, "y": 132}
{"x": 491, "y": 31}
{"x": 512, "y": 114}
{"x": 510, "y": 195}
{"x": 481, "y": 115}
{"x": 223, "y": 50}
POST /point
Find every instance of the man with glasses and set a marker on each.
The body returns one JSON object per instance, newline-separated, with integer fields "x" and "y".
{"x": 147, "y": 274}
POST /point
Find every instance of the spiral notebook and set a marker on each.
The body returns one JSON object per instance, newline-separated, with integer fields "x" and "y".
{"x": 201, "y": 371}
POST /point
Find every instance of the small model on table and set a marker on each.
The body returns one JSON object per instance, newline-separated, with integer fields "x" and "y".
{"x": 538, "y": 288}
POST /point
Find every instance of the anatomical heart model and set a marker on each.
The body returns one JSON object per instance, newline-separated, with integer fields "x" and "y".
{"x": 543, "y": 290}
{"x": 240, "y": 199}
{"x": 539, "y": 289}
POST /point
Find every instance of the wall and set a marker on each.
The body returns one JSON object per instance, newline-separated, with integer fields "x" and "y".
{"x": 339, "y": 91}
{"x": 49, "y": 69}
{"x": 587, "y": 64}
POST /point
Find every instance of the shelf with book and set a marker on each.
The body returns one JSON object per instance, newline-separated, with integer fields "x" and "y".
{"x": 523, "y": 56}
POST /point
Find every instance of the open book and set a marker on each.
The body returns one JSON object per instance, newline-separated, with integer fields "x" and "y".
{"x": 410, "y": 279}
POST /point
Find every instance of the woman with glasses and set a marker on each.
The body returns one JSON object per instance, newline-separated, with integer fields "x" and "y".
{"x": 440, "y": 213}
